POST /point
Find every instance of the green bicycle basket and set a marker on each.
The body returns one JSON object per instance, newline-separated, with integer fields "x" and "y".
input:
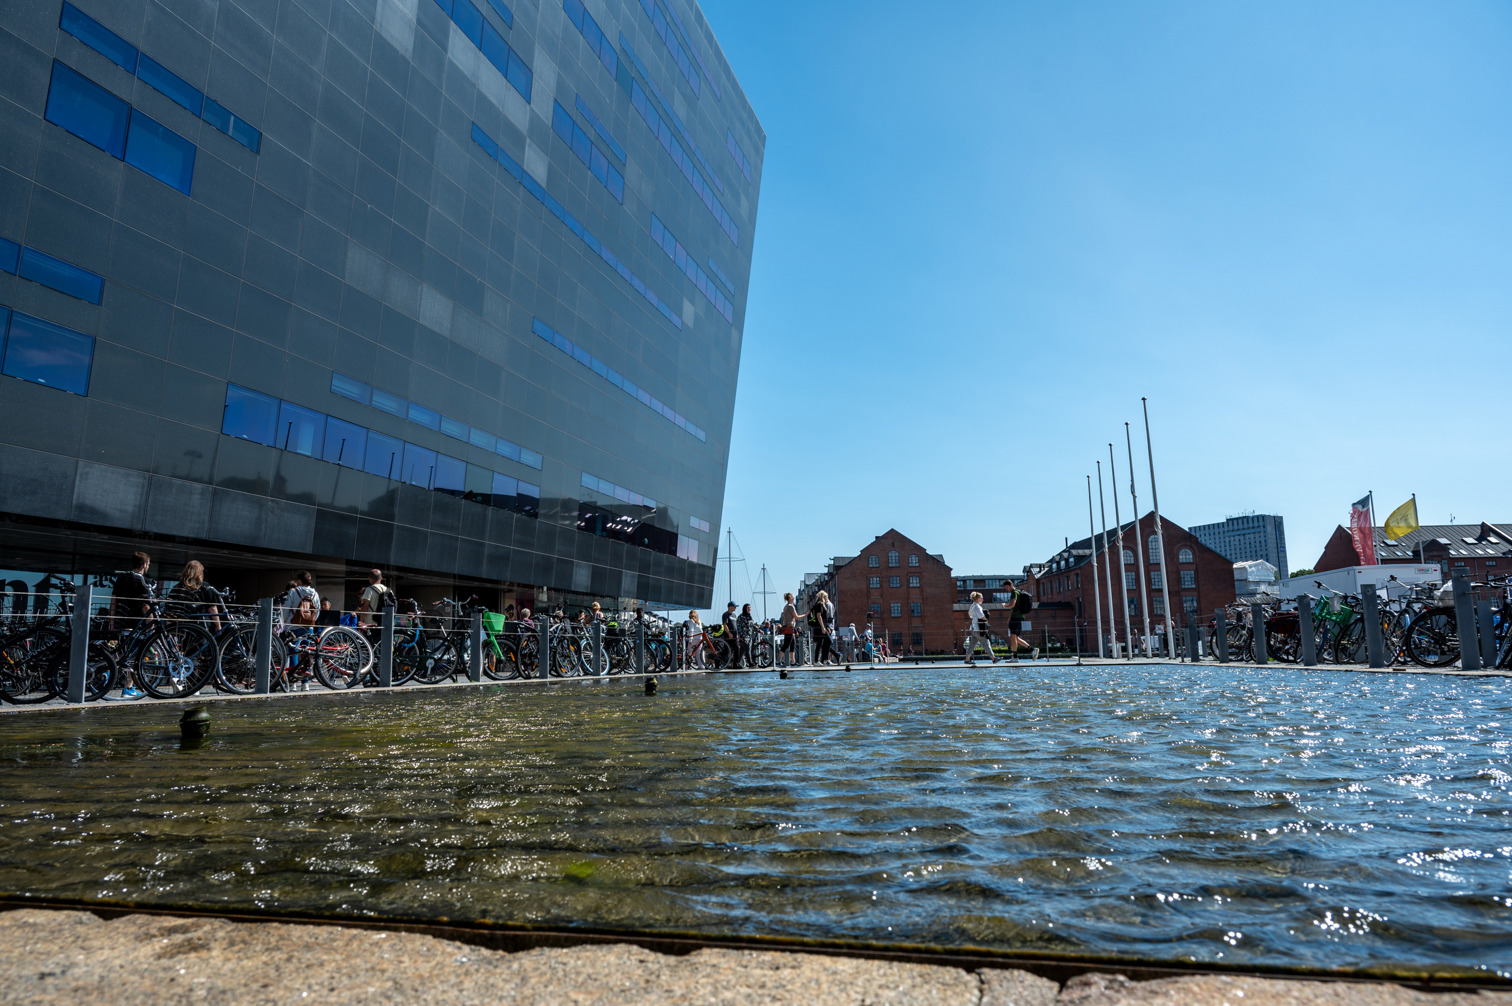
{"x": 493, "y": 622}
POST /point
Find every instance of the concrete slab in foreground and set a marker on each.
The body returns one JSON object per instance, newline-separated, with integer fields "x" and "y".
{"x": 70, "y": 958}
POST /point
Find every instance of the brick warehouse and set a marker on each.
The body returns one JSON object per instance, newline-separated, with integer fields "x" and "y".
{"x": 1062, "y": 587}
{"x": 903, "y": 590}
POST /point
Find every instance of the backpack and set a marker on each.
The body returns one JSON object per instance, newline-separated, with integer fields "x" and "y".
{"x": 1022, "y": 603}
{"x": 307, "y": 612}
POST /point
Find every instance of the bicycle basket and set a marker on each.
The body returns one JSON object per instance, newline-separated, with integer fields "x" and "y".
{"x": 1444, "y": 596}
{"x": 493, "y": 622}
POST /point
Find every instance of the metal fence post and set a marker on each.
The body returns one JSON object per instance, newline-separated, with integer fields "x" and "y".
{"x": 475, "y": 648}
{"x": 1191, "y": 633}
{"x": 264, "y": 680}
{"x": 78, "y": 642}
{"x": 1305, "y": 626}
{"x": 640, "y": 646}
{"x": 386, "y": 648}
{"x": 1464, "y": 620}
{"x": 1220, "y": 638}
{"x": 543, "y": 650}
{"x": 1487, "y": 633}
{"x": 596, "y": 633}
{"x": 1257, "y": 631}
{"x": 1375, "y": 645}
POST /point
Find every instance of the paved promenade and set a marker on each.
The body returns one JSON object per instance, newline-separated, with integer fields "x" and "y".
{"x": 67, "y": 958}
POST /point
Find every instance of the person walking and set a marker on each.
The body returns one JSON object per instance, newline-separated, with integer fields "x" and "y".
{"x": 819, "y": 617}
{"x": 789, "y": 624}
{"x": 731, "y": 632}
{"x": 1020, "y": 603}
{"x": 694, "y": 632}
{"x": 745, "y": 627}
{"x": 130, "y": 603}
{"x": 374, "y": 597}
{"x": 977, "y": 632}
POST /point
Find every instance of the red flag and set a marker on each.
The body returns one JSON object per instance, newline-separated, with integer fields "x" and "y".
{"x": 1362, "y": 533}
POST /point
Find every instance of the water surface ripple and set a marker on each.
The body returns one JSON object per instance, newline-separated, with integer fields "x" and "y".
{"x": 1285, "y": 817}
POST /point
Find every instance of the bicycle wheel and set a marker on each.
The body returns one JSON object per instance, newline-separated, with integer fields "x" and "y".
{"x": 761, "y": 652}
{"x": 621, "y": 654}
{"x": 1433, "y": 638}
{"x": 1395, "y": 638}
{"x": 566, "y": 657}
{"x": 1349, "y": 644}
{"x": 658, "y": 655}
{"x": 499, "y": 664}
{"x": 721, "y": 654}
{"x": 1283, "y": 645}
{"x": 593, "y": 660}
{"x": 408, "y": 654}
{"x": 26, "y": 666}
{"x": 100, "y": 671}
{"x": 176, "y": 661}
{"x": 238, "y": 660}
{"x": 342, "y": 657}
{"x": 442, "y": 660}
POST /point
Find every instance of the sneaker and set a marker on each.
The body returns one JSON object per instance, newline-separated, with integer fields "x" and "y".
{"x": 971, "y": 663}
{"x": 1034, "y": 653}
{"x": 132, "y": 693}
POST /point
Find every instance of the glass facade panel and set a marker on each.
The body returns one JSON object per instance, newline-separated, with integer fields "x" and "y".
{"x": 345, "y": 443}
{"x": 159, "y": 151}
{"x": 250, "y": 415}
{"x": 88, "y": 111}
{"x": 301, "y": 430}
{"x": 385, "y": 455}
{"x": 61, "y": 276}
{"x": 43, "y": 353}
{"x": 180, "y": 90}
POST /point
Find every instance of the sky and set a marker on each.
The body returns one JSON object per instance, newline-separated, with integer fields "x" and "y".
{"x": 987, "y": 229}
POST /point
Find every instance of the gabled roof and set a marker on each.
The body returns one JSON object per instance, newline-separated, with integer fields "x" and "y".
{"x": 1465, "y": 540}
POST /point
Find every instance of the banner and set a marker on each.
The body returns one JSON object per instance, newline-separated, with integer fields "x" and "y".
{"x": 1403, "y": 520}
{"x": 1362, "y": 533}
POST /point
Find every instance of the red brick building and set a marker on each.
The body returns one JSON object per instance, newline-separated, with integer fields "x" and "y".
{"x": 1201, "y": 582}
{"x": 1478, "y": 551}
{"x": 904, "y": 591}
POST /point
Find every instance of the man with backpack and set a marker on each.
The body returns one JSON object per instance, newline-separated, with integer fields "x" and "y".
{"x": 375, "y": 597}
{"x": 1020, "y": 603}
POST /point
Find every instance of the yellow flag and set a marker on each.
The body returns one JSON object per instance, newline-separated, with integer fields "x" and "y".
{"x": 1402, "y": 520}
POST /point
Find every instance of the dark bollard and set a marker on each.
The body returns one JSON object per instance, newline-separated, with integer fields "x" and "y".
{"x": 1220, "y": 640}
{"x": 264, "y": 676}
{"x": 1191, "y": 634}
{"x": 1487, "y": 633}
{"x": 1305, "y": 626}
{"x": 651, "y": 685}
{"x": 194, "y": 724}
{"x": 543, "y": 647}
{"x": 78, "y": 643}
{"x": 1375, "y": 644}
{"x": 386, "y": 649}
{"x": 1464, "y": 620}
{"x": 640, "y": 647}
{"x": 475, "y": 648}
{"x": 1257, "y": 624}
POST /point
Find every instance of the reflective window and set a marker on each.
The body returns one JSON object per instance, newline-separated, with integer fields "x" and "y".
{"x": 573, "y": 224}
{"x": 345, "y": 443}
{"x": 98, "y": 37}
{"x": 873, "y": 561}
{"x": 1155, "y": 549}
{"x": 892, "y": 558}
{"x": 738, "y": 154}
{"x": 1189, "y": 578}
{"x": 593, "y": 33}
{"x": 503, "y": 12}
{"x": 1185, "y": 555}
{"x": 162, "y": 79}
{"x": 385, "y": 401}
{"x": 237, "y": 128}
{"x": 916, "y": 608}
{"x": 894, "y": 581}
{"x": 1157, "y": 608}
{"x": 684, "y": 261}
{"x": 1128, "y": 557}
{"x": 486, "y": 37}
{"x": 250, "y": 415}
{"x": 87, "y": 110}
{"x": 455, "y": 429}
{"x": 567, "y": 346}
{"x": 601, "y": 129}
{"x": 913, "y": 581}
{"x": 348, "y": 387}
{"x": 10, "y": 255}
{"x": 428, "y": 418}
{"x": 1188, "y": 605}
{"x": 451, "y": 475}
{"x": 505, "y": 489}
{"x": 61, "y": 276}
{"x": 301, "y": 430}
{"x": 913, "y": 560}
{"x": 598, "y": 165}
{"x": 419, "y": 466}
{"x": 159, "y": 151}
{"x": 874, "y": 582}
{"x": 385, "y": 455}
{"x": 43, "y": 353}
{"x": 617, "y": 492}
{"x": 1157, "y": 580}
{"x": 699, "y": 523}
{"x": 720, "y": 274}
{"x": 1131, "y": 580}
{"x": 673, "y": 44}
{"x": 897, "y": 609}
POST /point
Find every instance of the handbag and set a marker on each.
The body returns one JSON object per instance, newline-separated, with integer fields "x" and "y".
{"x": 788, "y": 630}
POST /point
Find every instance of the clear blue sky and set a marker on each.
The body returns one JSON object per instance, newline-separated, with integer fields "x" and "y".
{"x": 986, "y": 229}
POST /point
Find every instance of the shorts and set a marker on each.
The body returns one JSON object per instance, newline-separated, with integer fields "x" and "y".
{"x": 1015, "y": 626}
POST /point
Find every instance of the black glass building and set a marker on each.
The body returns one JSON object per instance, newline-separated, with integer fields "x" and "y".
{"x": 450, "y": 287}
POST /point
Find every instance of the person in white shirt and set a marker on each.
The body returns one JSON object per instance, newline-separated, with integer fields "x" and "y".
{"x": 371, "y": 599}
{"x": 976, "y": 631}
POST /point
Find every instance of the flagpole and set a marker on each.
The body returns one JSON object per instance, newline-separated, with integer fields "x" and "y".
{"x": 1102, "y": 506}
{"x": 1144, "y": 604}
{"x": 1165, "y": 581}
{"x": 1123, "y": 575}
{"x": 1096, "y": 588}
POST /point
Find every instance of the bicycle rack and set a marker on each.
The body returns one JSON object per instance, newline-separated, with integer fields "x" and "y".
{"x": 264, "y": 670}
{"x": 1220, "y": 637}
{"x": 1375, "y": 646}
{"x": 78, "y": 643}
{"x": 386, "y": 650}
{"x": 1257, "y": 632}
{"x": 1305, "y": 626}
{"x": 543, "y": 649}
{"x": 1487, "y": 633}
{"x": 1464, "y": 618}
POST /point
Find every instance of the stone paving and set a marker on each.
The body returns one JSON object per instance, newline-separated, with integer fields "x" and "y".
{"x": 68, "y": 958}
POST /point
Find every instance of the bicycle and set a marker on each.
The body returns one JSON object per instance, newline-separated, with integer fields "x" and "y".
{"x": 35, "y": 653}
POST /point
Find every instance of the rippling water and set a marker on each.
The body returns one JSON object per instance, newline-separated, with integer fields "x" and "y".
{"x": 1286, "y": 817}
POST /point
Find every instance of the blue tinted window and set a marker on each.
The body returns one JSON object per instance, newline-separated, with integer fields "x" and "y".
{"x": 242, "y": 132}
{"x": 519, "y": 74}
{"x": 392, "y": 404}
{"x": 98, "y": 37}
{"x": 531, "y": 458}
{"x": 580, "y": 145}
{"x": 87, "y": 110}
{"x": 159, "y": 151}
{"x": 507, "y": 449}
{"x": 469, "y": 19}
{"x": 529, "y": 499}
{"x": 250, "y": 415}
{"x": 561, "y": 122}
{"x": 350, "y": 387}
{"x": 481, "y": 438}
{"x": 60, "y": 275}
{"x": 218, "y": 115}
{"x": 505, "y": 489}
{"x": 617, "y": 185}
{"x": 485, "y": 141}
{"x": 428, "y": 418}
{"x": 384, "y": 456}
{"x": 301, "y": 430}
{"x": 419, "y": 466}
{"x": 495, "y": 49}
{"x": 445, "y": 5}
{"x": 503, "y": 12}
{"x": 44, "y": 353}
{"x": 345, "y": 443}
{"x": 158, "y": 76}
{"x": 451, "y": 475}
{"x": 9, "y": 253}
{"x": 575, "y": 12}
{"x": 453, "y": 428}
